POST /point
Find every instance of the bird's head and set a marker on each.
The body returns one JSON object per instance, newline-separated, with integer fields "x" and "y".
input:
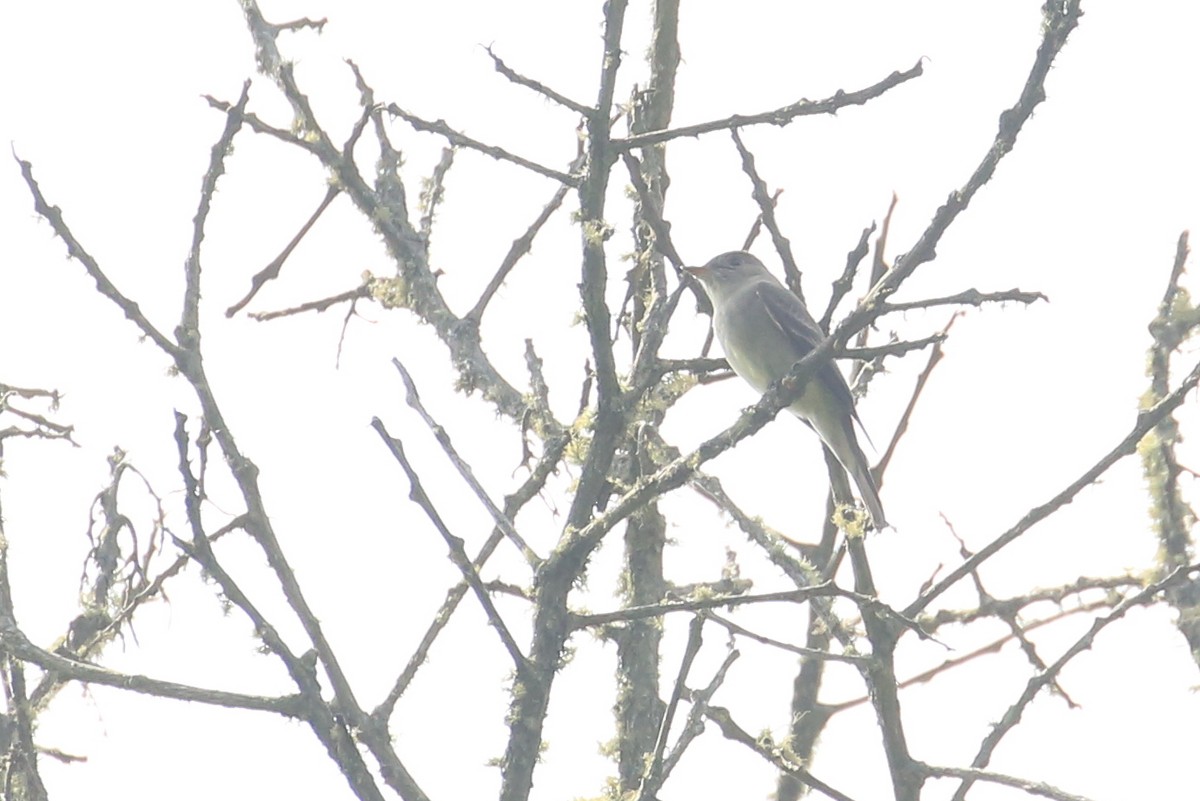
{"x": 729, "y": 270}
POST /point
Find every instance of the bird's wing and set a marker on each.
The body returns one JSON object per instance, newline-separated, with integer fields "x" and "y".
{"x": 789, "y": 314}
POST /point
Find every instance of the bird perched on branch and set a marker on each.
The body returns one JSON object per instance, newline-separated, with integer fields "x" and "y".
{"x": 764, "y": 330}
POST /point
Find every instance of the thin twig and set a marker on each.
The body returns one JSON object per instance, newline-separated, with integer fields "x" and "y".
{"x": 1147, "y": 419}
{"x": 457, "y": 553}
{"x": 826, "y": 590}
{"x": 413, "y": 398}
{"x": 1027, "y": 785}
{"x": 766, "y": 211}
{"x": 969, "y": 297}
{"x": 898, "y": 348}
{"x": 271, "y": 271}
{"x": 845, "y": 282}
{"x": 800, "y": 650}
{"x": 776, "y": 755}
{"x": 1012, "y": 715}
{"x": 935, "y": 357}
{"x": 537, "y": 86}
{"x": 458, "y": 139}
{"x": 323, "y": 304}
{"x": 694, "y": 726}
{"x": 991, "y": 648}
{"x": 512, "y": 504}
{"x": 780, "y": 116}
{"x": 652, "y": 779}
{"x": 519, "y": 248}
{"x": 256, "y": 124}
{"x": 53, "y": 215}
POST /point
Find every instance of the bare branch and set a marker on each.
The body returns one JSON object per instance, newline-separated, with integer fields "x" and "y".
{"x": 695, "y": 721}
{"x": 1147, "y": 420}
{"x": 53, "y": 215}
{"x": 413, "y": 398}
{"x": 551, "y": 623}
{"x": 843, "y": 283}
{"x": 324, "y": 304}
{"x": 520, "y": 247}
{"x": 990, "y": 648}
{"x": 14, "y": 642}
{"x": 1174, "y": 519}
{"x": 825, "y": 590}
{"x": 1059, "y": 19}
{"x": 537, "y": 86}
{"x": 256, "y": 124}
{"x": 652, "y": 213}
{"x": 189, "y": 323}
{"x": 766, "y": 211}
{"x": 800, "y": 650}
{"x": 935, "y": 357}
{"x": 457, "y": 554}
{"x": 779, "y": 756}
{"x": 512, "y": 504}
{"x": 897, "y": 348}
{"x": 1013, "y": 715}
{"x": 434, "y": 190}
{"x": 457, "y": 139}
{"x": 1030, "y": 787}
{"x": 969, "y": 297}
{"x": 652, "y": 779}
{"x": 271, "y": 271}
{"x": 780, "y": 116}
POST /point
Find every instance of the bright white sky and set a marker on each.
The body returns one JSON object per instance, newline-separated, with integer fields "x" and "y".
{"x": 106, "y": 103}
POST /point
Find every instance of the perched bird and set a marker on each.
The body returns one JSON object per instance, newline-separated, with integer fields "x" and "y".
{"x": 764, "y": 330}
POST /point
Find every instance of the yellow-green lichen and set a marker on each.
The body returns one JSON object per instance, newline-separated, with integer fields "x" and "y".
{"x": 391, "y": 293}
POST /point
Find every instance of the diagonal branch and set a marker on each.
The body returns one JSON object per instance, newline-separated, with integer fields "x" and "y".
{"x": 1146, "y": 421}
{"x": 780, "y": 116}
{"x": 538, "y": 86}
{"x": 520, "y": 247}
{"x": 1012, "y": 715}
{"x": 458, "y": 139}
{"x": 1059, "y": 19}
{"x": 502, "y": 521}
{"x": 512, "y": 504}
{"x": 54, "y": 216}
{"x": 457, "y": 553}
{"x": 14, "y": 642}
{"x": 766, "y": 207}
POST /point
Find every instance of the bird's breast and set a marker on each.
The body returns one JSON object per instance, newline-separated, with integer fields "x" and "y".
{"x": 755, "y": 348}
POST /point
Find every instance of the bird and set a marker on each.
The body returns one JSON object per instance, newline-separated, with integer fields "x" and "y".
{"x": 764, "y": 330}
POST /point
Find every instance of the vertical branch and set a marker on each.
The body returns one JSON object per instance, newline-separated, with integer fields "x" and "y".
{"x": 19, "y": 770}
{"x": 567, "y": 563}
{"x": 1173, "y": 519}
{"x": 639, "y": 709}
{"x": 655, "y": 769}
{"x": 809, "y": 716}
{"x": 880, "y": 674}
{"x": 595, "y": 233}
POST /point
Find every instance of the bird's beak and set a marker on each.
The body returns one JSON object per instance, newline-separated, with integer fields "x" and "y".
{"x": 697, "y": 272}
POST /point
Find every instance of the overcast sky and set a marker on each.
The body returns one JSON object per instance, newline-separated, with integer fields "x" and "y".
{"x": 106, "y": 102}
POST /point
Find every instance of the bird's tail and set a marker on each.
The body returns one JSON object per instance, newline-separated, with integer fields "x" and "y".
{"x": 850, "y": 454}
{"x": 835, "y": 426}
{"x": 870, "y": 493}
